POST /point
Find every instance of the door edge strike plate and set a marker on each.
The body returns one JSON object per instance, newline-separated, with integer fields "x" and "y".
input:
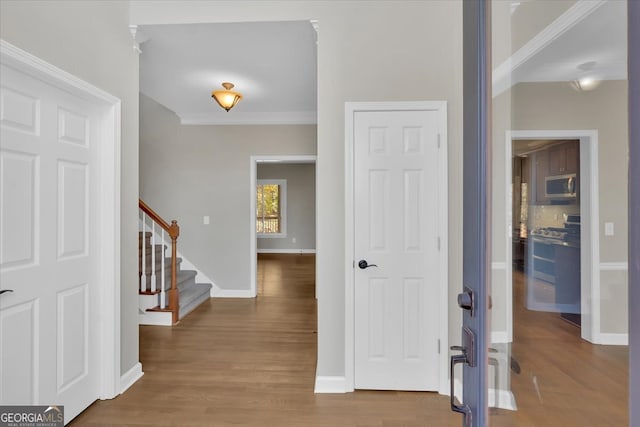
{"x": 467, "y": 300}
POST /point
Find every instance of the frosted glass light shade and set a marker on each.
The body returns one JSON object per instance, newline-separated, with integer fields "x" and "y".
{"x": 226, "y": 98}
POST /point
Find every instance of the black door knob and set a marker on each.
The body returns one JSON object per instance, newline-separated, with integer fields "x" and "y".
{"x": 364, "y": 264}
{"x": 2, "y": 291}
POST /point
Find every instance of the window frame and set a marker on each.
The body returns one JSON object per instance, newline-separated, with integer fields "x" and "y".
{"x": 282, "y": 183}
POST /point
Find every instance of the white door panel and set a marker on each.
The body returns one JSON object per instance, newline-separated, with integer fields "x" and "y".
{"x": 396, "y": 229}
{"x": 48, "y": 196}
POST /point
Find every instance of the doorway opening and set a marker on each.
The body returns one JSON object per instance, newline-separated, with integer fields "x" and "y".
{"x": 552, "y": 220}
{"x": 283, "y": 212}
{"x": 546, "y": 225}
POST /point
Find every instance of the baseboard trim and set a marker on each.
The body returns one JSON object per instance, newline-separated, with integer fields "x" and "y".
{"x": 286, "y": 251}
{"x": 500, "y": 337}
{"x": 217, "y": 292}
{"x": 130, "y": 377}
{"x": 326, "y": 384}
{"x": 613, "y": 339}
{"x": 503, "y": 399}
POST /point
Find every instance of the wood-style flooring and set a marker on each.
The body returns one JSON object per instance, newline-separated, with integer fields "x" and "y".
{"x": 562, "y": 380}
{"x": 251, "y": 362}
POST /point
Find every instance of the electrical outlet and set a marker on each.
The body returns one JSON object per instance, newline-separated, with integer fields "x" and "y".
{"x": 293, "y": 240}
{"x": 205, "y": 220}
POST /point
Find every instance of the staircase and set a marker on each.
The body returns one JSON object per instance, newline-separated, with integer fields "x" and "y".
{"x": 160, "y": 300}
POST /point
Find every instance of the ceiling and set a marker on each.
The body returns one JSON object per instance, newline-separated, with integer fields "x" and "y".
{"x": 592, "y": 44}
{"x": 273, "y": 64}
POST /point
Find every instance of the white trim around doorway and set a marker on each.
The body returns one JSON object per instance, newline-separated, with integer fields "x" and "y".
{"x": 590, "y": 237}
{"x": 336, "y": 384}
{"x": 108, "y": 231}
{"x": 253, "y": 178}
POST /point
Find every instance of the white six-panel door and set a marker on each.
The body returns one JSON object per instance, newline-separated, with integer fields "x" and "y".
{"x": 48, "y": 191}
{"x": 396, "y": 303}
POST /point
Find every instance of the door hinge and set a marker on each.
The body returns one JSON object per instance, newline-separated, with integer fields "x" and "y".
{"x": 438, "y": 140}
{"x": 438, "y": 346}
{"x": 438, "y": 243}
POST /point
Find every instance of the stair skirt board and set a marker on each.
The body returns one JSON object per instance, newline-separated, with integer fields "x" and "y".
{"x": 193, "y": 297}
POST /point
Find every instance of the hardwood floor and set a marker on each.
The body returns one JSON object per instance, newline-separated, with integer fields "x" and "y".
{"x": 251, "y": 362}
{"x": 562, "y": 379}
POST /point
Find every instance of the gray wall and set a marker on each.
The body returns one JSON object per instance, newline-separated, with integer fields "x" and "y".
{"x": 603, "y": 109}
{"x": 91, "y": 40}
{"x": 557, "y": 106}
{"x": 367, "y": 51}
{"x": 187, "y": 172}
{"x": 301, "y": 206}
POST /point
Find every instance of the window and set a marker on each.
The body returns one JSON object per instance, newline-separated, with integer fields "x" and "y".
{"x": 271, "y": 208}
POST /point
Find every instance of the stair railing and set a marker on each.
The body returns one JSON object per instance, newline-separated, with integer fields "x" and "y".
{"x": 149, "y": 221}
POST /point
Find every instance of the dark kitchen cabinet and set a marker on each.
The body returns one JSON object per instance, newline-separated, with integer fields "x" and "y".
{"x": 560, "y": 159}
{"x": 557, "y": 263}
{"x": 567, "y": 272}
{"x": 564, "y": 158}
{"x": 541, "y": 170}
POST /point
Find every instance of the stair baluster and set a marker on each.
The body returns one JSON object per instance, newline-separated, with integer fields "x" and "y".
{"x": 154, "y": 278}
{"x": 163, "y": 296}
{"x": 143, "y": 275}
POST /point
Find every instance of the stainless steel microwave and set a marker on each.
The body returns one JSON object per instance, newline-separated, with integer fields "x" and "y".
{"x": 560, "y": 186}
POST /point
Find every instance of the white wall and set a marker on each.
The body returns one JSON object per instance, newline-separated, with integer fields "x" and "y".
{"x": 367, "y": 51}
{"x": 91, "y": 41}
{"x": 187, "y": 172}
{"x": 301, "y": 206}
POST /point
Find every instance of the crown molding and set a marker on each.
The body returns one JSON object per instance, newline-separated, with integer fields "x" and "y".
{"x": 236, "y": 118}
{"x": 502, "y": 73}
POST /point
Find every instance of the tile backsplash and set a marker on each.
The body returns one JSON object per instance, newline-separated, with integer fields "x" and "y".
{"x": 549, "y": 215}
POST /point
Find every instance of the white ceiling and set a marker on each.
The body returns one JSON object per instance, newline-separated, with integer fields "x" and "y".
{"x": 593, "y": 44}
{"x": 273, "y": 64}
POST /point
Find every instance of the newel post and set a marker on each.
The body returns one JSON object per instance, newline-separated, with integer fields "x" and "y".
{"x": 174, "y": 303}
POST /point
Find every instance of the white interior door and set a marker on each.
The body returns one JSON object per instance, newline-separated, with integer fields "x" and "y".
{"x": 48, "y": 183}
{"x": 396, "y": 325}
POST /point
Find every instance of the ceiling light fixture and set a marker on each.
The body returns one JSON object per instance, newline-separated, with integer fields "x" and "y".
{"x": 226, "y": 98}
{"x": 588, "y": 79}
{"x": 586, "y": 83}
